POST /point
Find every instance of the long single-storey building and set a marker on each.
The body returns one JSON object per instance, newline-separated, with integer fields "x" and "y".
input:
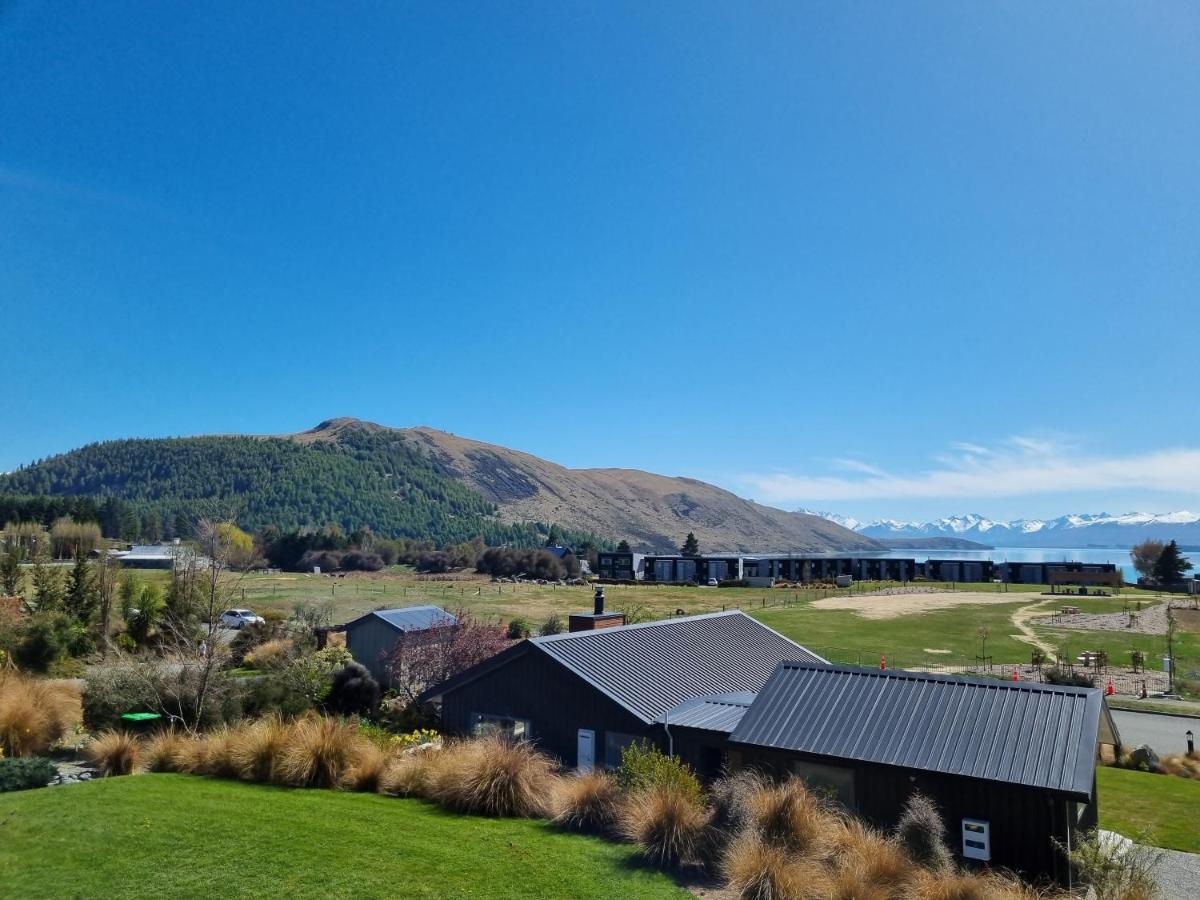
{"x": 1011, "y": 765}
{"x": 673, "y": 568}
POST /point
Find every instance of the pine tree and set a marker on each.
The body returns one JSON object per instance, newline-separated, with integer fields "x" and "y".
{"x": 1171, "y": 565}
{"x": 81, "y": 592}
{"x": 623, "y": 547}
{"x": 691, "y": 546}
{"x": 47, "y": 586}
{"x": 10, "y": 571}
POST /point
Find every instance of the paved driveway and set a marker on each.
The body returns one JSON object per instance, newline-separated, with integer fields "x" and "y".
{"x": 1164, "y": 733}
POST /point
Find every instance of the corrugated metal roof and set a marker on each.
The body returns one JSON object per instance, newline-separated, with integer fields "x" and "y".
{"x": 413, "y": 618}
{"x": 651, "y": 667}
{"x": 719, "y": 712}
{"x": 1017, "y": 732}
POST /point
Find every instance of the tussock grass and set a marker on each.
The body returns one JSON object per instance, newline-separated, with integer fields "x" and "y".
{"x": 867, "y": 862}
{"x": 921, "y": 831}
{"x": 729, "y": 798}
{"x": 587, "y": 802}
{"x": 270, "y": 654}
{"x": 492, "y": 776}
{"x": 757, "y": 870}
{"x": 114, "y": 752}
{"x": 411, "y": 775}
{"x": 217, "y": 754}
{"x": 35, "y": 713}
{"x": 928, "y": 884}
{"x": 319, "y": 752}
{"x": 788, "y": 815}
{"x": 163, "y": 752}
{"x": 668, "y": 827}
{"x": 256, "y": 749}
{"x": 368, "y": 768}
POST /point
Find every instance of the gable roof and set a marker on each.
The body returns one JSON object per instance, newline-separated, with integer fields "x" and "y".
{"x": 1037, "y": 735}
{"x": 652, "y": 667}
{"x": 409, "y": 618}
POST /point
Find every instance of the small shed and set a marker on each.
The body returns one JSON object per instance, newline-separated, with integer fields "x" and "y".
{"x": 1011, "y": 765}
{"x": 372, "y": 638}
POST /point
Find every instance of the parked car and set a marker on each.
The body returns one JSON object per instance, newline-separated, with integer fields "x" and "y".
{"x": 712, "y": 582}
{"x": 236, "y": 618}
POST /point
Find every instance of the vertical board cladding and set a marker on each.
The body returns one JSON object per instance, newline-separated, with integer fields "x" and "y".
{"x": 1025, "y": 822}
{"x": 553, "y": 699}
{"x": 370, "y": 641}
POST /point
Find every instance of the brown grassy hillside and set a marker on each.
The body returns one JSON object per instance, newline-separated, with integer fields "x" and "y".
{"x": 650, "y": 511}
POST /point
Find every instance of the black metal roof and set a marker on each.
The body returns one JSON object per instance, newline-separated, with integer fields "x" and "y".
{"x": 409, "y": 618}
{"x": 1037, "y": 735}
{"x": 651, "y": 667}
{"x": 718, "y": 712}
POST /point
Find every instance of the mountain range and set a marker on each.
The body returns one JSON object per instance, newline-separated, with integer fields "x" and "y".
{"x": 417, "y": 483}
{"x": 1078, "y": 530}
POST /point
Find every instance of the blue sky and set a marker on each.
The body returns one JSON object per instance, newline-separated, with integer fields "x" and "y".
{"x": 885, "y": 259}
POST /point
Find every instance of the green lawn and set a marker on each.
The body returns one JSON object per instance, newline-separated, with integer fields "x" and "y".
{"x": 1161, "y": 807}
{"x": 184, "y": 836}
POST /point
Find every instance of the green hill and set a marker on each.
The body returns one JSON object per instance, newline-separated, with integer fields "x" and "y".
{"x": 364, "y": 477}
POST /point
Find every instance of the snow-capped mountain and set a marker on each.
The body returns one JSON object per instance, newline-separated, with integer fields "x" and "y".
{"x": 1078, "y": 530}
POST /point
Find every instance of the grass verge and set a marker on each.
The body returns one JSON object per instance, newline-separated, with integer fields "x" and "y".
{"x": 182, "y": 836}
{"x": 1163, "y": 807}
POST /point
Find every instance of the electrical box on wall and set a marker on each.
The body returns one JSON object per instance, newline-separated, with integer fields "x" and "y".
{"x": 977, "y": 839}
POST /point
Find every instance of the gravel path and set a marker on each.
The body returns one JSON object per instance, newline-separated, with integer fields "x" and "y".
{"x": 1151, "y": 620}
{"x": 1178, "y": 875}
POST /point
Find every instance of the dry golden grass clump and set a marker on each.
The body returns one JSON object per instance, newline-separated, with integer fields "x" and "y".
{"x": 410, "y": 775}
{"x": 757, "y": 870}
{"x": 270, "y": 654}
{"x": 669, "y": 828}
{"x": 492, "y": 776}
{"x": 788, "y": 815}
{"x": 164, "y": 751}
{"x": 368, "y": 769}
{"x": 587, "y": 802}
{"x": 319, "y": 752}
{"x": 35, "y": 713}
{"x": 1186, "y": 765}
{"x": 945, "y": 885}
{"x": 114, "y": 752}
{"x": 868, "y": 862}
{"x": 256, "y": 749}
{"x": 217, "y": 754}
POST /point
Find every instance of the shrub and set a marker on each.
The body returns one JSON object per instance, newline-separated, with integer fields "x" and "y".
{"x": 34, "y": 713}
{"x": 28, "y": 772}
{"x": 757, "y": 870}
{"x": 518, "y": 629}
{"x": 48, "y": 637}
{"x": 586, "y": 802}
{"x": 921, "y": 831}
{"x": 492, "y": 776}
{"x": 868, "y": 863}
{"x": 553, "y": 625}
{"x": 353, "y": 691}
{"x": 644, "y": 766}
{"x": 319, "y": 752}
{"x": 1114, "y": 870}
{"x": 171, "y": 687}
{"x": 668, "y": 826}
{"x": 366, "y": 772}
{"x": 257, "y": 748}
{"x": 1056, "y": 675}
{"x": 164, "y": 751}
{"x": 787, "y": 815}
{"x": 114, "y": 752}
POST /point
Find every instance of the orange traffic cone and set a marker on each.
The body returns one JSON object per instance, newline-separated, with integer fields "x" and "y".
{"x": 882, "y": 661}
{"x": 1015, "y": 676}
{"x": 1110, "y": 690}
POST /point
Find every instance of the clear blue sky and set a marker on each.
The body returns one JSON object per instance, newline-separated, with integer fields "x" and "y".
{"x": 881, "y": 258}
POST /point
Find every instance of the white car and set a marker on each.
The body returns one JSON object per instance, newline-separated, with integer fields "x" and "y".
{"x": 236, "y": 618}
{"x": 712, "y": 582}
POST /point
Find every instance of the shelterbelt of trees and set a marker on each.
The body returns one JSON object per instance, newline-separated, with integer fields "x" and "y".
{"x": 149, "y": 490}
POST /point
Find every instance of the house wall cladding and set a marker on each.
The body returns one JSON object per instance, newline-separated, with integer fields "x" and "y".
{"x": 555, "y": 701}
{"x": 1025, "y": 822}
{"x": 370, "y": 642}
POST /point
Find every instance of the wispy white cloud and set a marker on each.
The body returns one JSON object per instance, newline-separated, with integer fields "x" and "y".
{"x": 1022, "y": 466}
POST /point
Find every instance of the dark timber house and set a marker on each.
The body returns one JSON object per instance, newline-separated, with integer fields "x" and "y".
{"x": 372, "y": 638}
{"x": 586, "y": 695}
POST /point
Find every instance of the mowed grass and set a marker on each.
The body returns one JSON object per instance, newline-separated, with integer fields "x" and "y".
{"x": 185, "y": 836}
{"x": 1156, "y": 809}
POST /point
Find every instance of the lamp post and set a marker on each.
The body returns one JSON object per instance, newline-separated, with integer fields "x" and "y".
{"x": 1191, "y": 743}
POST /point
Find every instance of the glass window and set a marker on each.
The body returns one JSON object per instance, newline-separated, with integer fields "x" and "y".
{"x": 614, "y": 745}
{"x": 484, "y": 723}
{"x": 833, "y": 781}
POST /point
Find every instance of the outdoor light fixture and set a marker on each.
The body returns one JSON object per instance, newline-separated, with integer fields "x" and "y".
{"x": 1191, "y": 743}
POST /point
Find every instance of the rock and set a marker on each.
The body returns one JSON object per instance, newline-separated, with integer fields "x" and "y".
{"x": 1145, "y": 758}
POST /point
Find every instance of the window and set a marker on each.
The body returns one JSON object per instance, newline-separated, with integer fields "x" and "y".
{"x": 614, "y": 745}
{"x": 833, "y": 781}
{"x": 484, "y": 723}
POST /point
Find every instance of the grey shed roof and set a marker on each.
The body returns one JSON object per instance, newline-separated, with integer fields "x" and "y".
{"x": 718, "y": 712}
{"x": 409, "y": 618}
{"x": 650, "y": 668}
{"x": 1037, "y": 735}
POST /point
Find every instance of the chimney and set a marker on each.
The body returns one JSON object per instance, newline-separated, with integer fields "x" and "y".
{"x": 597, "y": 618}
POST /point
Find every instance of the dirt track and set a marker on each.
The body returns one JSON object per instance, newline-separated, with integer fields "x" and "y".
{"x": 890, "y": 606}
